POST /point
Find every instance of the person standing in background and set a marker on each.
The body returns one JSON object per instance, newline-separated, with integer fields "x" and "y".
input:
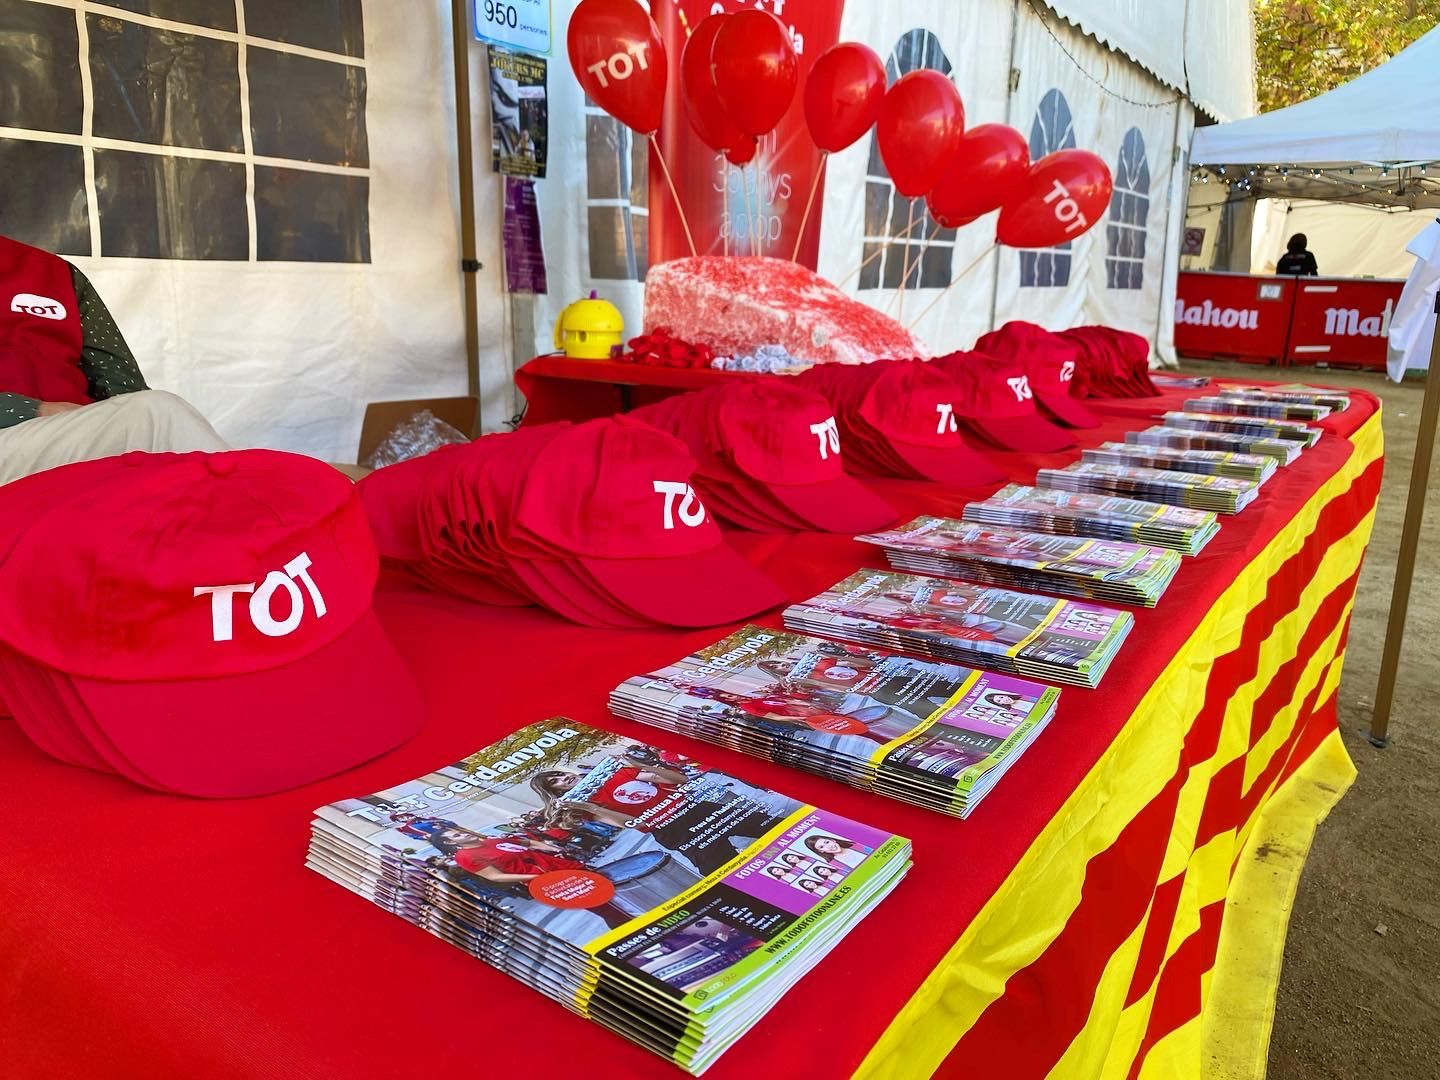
{"x": 1296, "y": 259}
{"x": 70, "y": 389}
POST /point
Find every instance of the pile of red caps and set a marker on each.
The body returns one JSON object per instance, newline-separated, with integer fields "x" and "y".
{"x": 1050, "y": 363}
{"x": 901, "y": 418}
{"x": 769, "y": 458}
{"x": 1110, "y": 363}
{"x": 999, "y": 404}
{"x": 595, "y": 521}
{"x": 215, "y": 638}
{"x": 661, "y": 348}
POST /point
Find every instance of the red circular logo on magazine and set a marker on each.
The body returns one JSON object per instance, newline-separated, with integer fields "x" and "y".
{"x": 836, "y": 724}
{"x": 572, "y": 888}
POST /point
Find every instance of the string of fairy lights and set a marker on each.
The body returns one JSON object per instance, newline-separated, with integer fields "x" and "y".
{"x": 1395, "y": 181}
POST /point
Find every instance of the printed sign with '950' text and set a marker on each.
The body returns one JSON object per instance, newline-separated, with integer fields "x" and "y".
{"x": 523, "y": 25}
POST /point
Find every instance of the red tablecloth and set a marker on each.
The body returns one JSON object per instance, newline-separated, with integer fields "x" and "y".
{"x": 148, "y": 936}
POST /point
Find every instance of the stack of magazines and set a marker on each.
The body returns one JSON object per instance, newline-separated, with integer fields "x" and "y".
{"x": 1256, "y": 467}
{"x": 1286, "y": 409}
{"x": 1071, "y": 566}
{"x": 1108, "y": 517}
{"x": 1170, "y": 381}
{"x": 1296, "y": 431}
{"x": 1017, "y": 633}
{"x": 1282, "y": 450}
{"x": 1330, "y": 398}
{"x": 670, "y": 902}
{"x": 1222, "y": 494}
{"x": 932, "y": 734}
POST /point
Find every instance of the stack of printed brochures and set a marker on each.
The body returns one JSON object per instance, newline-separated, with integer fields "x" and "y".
{"x": 1222, "y": 494}
{"x": 1284, "y": 451}
{"x": 670, "y": 902}
{"x": 1106, "y": 517}
{"x": 1068, "y": 641}
{"x": 934, "y": 734}
{"x": 1250, "y": 405}
{"x": 1113, "y": 570}
{"x": 1256, "y": 467}
{"x": 1334, "y": 399}
{"x": 1256, "y": 427}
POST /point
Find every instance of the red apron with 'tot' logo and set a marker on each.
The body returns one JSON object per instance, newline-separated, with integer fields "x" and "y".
{"x": 39, "y": 326}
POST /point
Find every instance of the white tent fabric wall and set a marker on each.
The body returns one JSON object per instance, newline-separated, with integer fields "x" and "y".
{"x": 286, "y": 354}
{"x": 1220, "y": 57}
{"x": 1348, "y": 240}
{"x": 1150, "y": 31}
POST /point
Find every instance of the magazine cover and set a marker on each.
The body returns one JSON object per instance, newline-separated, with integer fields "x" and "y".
{"x": 680, "y": 890}
{"x": 1226, "y": 494}
{"x": 1249, "y": 405}
{"x": 1258, "y": 467}
{"x": 1042, "y": 502}
{"x": 1282, "y": 451}
{"x": 933, "y": 720}
{"x": 1020, "y": 631}
{"x": 1268, "y": 427}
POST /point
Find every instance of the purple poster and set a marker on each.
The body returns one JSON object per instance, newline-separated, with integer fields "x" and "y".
{"x": 524, "y": 251}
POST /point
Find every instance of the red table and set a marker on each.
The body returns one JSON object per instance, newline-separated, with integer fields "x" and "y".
{"x": 1083, "y": 922}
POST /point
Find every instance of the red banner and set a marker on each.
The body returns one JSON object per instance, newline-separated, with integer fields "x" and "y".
{"x": 1342, "y": 322}
{"x": 1233, "y": 315}
{"x": 757, "y": 209}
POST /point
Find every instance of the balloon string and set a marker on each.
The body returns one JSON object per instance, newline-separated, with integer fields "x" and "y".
{"x": 953, "y": 282}
{"x": 875, "y": 255}
{"x": 810, "y": 202}
{"x": 729, "y": 221}
{"x": 655, "y": 145}
{"x": 905, "y": 274}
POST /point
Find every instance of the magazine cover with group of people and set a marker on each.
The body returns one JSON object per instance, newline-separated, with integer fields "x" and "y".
{"x": 671, "y": 902}
{"x": 931, "y": 733}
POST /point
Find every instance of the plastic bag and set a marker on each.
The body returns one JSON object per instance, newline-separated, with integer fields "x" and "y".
{"x": 416, "y": 437}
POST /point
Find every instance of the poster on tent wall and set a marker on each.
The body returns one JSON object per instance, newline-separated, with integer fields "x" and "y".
{"x": 757, "y": 209}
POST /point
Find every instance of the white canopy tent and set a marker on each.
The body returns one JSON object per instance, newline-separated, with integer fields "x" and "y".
{"x": 1371, "y": 141}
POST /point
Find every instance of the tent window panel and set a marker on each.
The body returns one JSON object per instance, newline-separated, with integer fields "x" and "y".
{"x": 1052, "y": 129}
{"x": 602, "y": 157}
{"x": 639, "y": 171}
{"x": 616, "y": 185}
{"x": 1129, "y": 216}
{"x": 44, "y": 203}
{"x": 887, "y": 213}
{"x": 307, "y": 110}
{"x": 336, "y": 26}
{"x": 870, "y": 275}
{"x": 216, "y": 14}
{"x": 303, "y": 216}
{"x": 39, "y": 69}
{"x": 617, "y": 248}
{"x": 164, "y": 87}
{"x": 154, "y": 206}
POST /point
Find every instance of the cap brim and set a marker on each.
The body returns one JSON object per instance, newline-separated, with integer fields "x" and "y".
{"x": 954, "y": 466}
{"x": 706, "y": 588}
{"x": 839, "y": 505}
{"x": 1066, "y": 409}
{"x": 562, "y": 590}
{"x": 1032, "y": 434}
{"x": 267, "y": 731}
{"x": 36, "y": 719}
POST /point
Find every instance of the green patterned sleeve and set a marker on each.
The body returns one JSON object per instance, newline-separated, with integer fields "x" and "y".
{"x": 17, "y": 408}
{"x": 106, "y": 360}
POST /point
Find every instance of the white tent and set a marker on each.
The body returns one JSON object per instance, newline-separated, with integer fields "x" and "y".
{"x": 1372, "y": 140}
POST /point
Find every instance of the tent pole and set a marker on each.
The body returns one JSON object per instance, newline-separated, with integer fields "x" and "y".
{"x": 1409, "y": 546}
{"x": 469, "y": 264}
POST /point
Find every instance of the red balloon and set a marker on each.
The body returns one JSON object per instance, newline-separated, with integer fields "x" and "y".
{"x": 743, "y": 151}
{"x": 842, "y": 95}
{"x": 755, "y": 70}
{"x": 619, "y": 58}
{"x": 707, "y": 116}
{"x": 1063, "y": 196}
{"x": 921, "y": 120}
{"x": 990, "y": 164}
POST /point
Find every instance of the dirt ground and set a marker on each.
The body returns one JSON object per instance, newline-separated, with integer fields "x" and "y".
{"x": 1360, "y": 990}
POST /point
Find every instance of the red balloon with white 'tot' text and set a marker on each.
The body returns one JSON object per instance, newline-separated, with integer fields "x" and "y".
{"x": 619, "y": 58}
{"x": 1061, "y": 198}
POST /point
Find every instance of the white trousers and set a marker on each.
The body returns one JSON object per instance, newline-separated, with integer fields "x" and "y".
{"x": 150, "y": 420}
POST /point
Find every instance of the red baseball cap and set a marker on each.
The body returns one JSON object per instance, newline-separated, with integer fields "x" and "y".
{"x": 1050, "y": 362}
{"x": 614, "y": 498}
{"x": 769, "y": 441}
{"x": 913, "y": 406}
{"x": 999, "y": 403}
{"x": 219, "y": 630}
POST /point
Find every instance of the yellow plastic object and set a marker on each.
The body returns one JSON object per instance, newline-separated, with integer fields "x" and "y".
{"x": 588, "y": 329}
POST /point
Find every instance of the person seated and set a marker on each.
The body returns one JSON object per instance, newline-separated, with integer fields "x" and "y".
{"x": 70, "y": 389}
{"x": 1297, "y": 260}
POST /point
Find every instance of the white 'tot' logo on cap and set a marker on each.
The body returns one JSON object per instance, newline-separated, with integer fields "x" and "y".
{"x": 829, "y": 436}
{"x": 42, "y": 306}
{"x": 692, "y": 512}
{"x": 947, "y": 422}
{"x": 1067, "y": 371}
{"x": 1021, "y": 388}
{"x": 222, "y": 603}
